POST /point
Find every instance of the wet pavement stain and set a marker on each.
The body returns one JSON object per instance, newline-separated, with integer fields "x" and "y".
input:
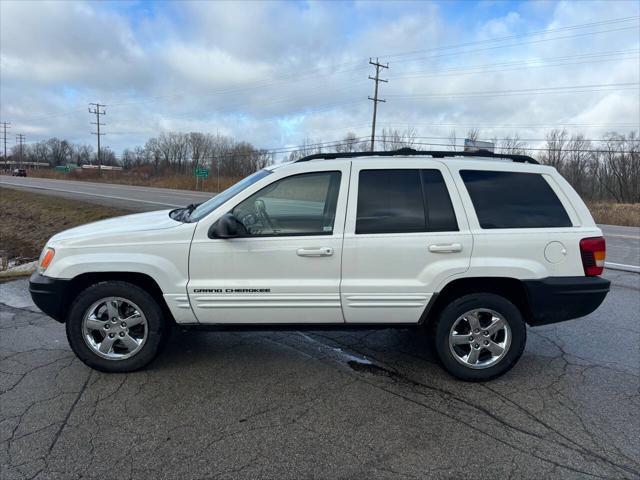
{"x": 370, "y": 368}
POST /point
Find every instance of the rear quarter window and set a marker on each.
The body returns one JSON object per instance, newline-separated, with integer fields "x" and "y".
{"x": 514, "y": 200}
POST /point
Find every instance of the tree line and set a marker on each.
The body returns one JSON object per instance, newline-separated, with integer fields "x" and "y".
{"x": 606, "y": 169}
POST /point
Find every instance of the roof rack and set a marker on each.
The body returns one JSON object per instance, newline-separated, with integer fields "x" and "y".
{"x": 411, "y": 151}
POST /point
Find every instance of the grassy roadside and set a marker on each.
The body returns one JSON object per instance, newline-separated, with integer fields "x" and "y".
{"x": 29, "y": 219}
{"x": 625, "y": 214}
{"x": 142, "y": 177}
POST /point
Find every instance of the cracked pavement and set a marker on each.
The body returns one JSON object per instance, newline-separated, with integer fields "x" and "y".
{"x": 357, "y": 405}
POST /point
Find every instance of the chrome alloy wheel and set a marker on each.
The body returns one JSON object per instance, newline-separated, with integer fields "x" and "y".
{"x": 114, "y": 328}
{"x": 479, "y": 338}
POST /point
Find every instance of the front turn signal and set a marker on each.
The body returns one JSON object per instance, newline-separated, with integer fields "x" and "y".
{"x": 46, "y": 258}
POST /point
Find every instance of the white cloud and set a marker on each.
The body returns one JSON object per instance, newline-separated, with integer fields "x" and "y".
{"x": 275, "y": 73}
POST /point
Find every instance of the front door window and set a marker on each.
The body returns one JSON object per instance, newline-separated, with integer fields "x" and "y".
{"x": 293, "y": 206}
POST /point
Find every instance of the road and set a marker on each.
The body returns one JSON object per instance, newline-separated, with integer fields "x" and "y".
{"x": 289, "y": 405}
{"x": 623, "y": 243}
{"x": 120, "y": 196}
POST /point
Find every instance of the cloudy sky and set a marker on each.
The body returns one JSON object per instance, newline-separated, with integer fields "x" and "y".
{"x": 275, "y": 73}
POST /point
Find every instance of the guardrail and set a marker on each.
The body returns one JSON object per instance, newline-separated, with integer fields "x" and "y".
{"x": 622, "y": 267}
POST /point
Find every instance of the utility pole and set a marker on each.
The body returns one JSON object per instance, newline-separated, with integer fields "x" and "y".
{"x": 375, "y": 98}
{"x": 20, "y": 139}
{"x": 98, "y": 109}
{"x": 5, "y": 125}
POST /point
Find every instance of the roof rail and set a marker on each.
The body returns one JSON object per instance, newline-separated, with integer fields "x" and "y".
{"x": 410, "y": 151}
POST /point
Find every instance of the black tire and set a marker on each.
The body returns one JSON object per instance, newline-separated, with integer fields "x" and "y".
{"x": 158, "y": 327}
{"x": 462, "y": 305}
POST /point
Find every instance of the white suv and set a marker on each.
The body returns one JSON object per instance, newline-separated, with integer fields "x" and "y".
{"x": 474, "y": 246}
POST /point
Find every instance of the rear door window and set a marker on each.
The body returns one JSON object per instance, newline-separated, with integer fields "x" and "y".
{"x": 514, "y": 200}
{"x": 403, "y": 201}
{"x": 390, "y": 201}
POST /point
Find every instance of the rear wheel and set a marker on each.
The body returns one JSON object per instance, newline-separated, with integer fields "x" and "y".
{"x": 115, "y": 327}
{"x": 480, "y": 336}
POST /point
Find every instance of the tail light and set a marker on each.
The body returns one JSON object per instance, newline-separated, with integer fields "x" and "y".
{"x": 593, "y": 251}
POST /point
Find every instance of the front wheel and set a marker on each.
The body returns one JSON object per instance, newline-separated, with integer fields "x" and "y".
{"x": 115, "y": 326}
{"x": 480, "y": 336}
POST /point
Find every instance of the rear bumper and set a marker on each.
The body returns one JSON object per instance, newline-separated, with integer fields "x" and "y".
{"x": 557, "y": 299}
{"x": 48, "y": 294}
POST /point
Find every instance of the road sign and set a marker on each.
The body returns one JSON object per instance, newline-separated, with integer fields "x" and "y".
{"x": 477, "y": 145}
{"x": 202, "y": 172}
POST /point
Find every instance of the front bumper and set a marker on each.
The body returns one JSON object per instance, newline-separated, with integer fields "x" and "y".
{"x": 49, "y": 294}
{"x": 557, "y": 299}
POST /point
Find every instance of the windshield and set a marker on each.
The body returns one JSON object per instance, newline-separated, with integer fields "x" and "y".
{"x": 209, "y": 206}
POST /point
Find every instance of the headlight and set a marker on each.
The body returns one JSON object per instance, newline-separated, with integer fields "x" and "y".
{"x": 46, "y": 258}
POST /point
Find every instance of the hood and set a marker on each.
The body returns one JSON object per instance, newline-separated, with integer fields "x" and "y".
{"x": 139, "y": 222}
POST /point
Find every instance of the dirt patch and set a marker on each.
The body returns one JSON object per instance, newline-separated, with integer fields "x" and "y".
{"x": 28, "y": 220}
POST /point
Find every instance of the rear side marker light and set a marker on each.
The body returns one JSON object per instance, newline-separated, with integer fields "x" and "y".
{"x": 593, "y": 251}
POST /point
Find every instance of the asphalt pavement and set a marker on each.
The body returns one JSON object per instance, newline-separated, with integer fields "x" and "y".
{"x": 291, "y": 405}
{"x": 128, "y": 197}
{"x": 623, "y": 243}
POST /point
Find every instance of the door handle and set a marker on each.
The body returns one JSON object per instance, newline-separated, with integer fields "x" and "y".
{"x": 445, "y": 248}
{"x": 315, "y": 252}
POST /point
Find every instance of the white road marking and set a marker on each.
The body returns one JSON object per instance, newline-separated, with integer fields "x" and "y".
{"x": 96, "y": 195}
{"x": 621, "y": 236}
{"x": 83, "y": 184}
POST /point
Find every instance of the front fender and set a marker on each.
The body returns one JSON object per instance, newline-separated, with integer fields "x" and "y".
{"x": 171, "y": 276}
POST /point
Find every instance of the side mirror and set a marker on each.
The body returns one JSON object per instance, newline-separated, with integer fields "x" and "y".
{"x": 225, "y": 227}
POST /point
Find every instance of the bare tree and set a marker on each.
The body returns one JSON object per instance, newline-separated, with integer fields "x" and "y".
{"x": 201, "y": 146}
{"x": 512, "y": 145}
{"x": 350, "y": 143}
{"x": 473, "y": 134}
{"x": 453, "y": 140}
{"x": 82, "y": 154}
{"x": 395, "y": 139}
{"x": 554, "y": 153}
{"x": 59, "y": 151}
{"x": 308, "y": 147}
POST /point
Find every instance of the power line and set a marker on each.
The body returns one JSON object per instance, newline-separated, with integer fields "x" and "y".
{"x": 5, "y": 125}
{"x": 339, "y": 68}
{"x": 530, "y": 125}
{"x": 525, "y": 64}
{"x": 336, "y": 68}
{"x": 511, "y": 37}
{"x": 375, "y": 98}
{"x": 97, "y": 111}
{"x": 298, "y": 77}
{"x": 528, "y": 91}
{"x": 531, "y": 139}
{"x": 533, "y": 149}
{"x": 531, "y": 42}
